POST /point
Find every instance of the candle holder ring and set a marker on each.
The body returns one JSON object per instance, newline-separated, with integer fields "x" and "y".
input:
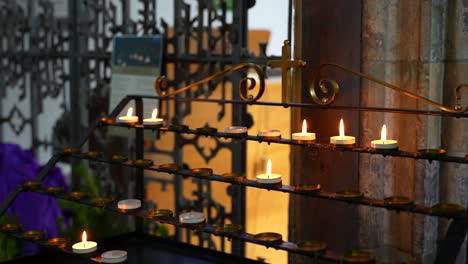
{"x": 343, "y": 146}
{"x": 31, "y": 185}
{"x": 119, "y": 158}
{"x": 431, "y": 152}
{"x": 194, "y": 226}
{"x": 447, "y": 208}
{"x": 205, "y": 172}
{"x": 398, "y": 201}
{"x": 54, "y": 189}
{"x": 359, "y": 256}
{"x": 303, "y": 142}
{"x": 233, "y": 177}
{"x": 93, "y": 154}
{"x": 268, "y": 237}
{"x": 59, "y": 242}
{"x": 101, "y": 201}
{"x": 269, "y": 138}
{"x": 169, "y": 167}
{"x": 77, "y": 196}
{"x": 10, "y": 228}
{"x": 70, "y": 151}
{"x": 314, "y": 246}
{"x": 308, "y": 188}
{"x": 34, "y": 235}
{"x": 227, "y": 229}
{"x": 160, "y": 213}
{"x": 349, "y": 194}
{"x": 107, "y": 120}
{"x": 143, "y": 163}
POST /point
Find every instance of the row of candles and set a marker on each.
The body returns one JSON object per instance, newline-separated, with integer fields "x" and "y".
{"x": 303, "y": 136}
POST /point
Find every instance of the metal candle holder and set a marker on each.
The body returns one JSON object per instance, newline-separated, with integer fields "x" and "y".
{"x": 10, "y": 228}
{"x": 143, "y": 162}
{"x": 268, "y": 237}
{"x": 119, "y": 158}
{"x": 160, "y": 213}
{"x": 169, "y": 167}
{"x": 314, "y": 246}
{"x": 349, "y": 194}
{"x": 227, "y": 229}
{"x": 59, "y": 242}
{"x": 31, "y": 185}
{"x": 308, "y": 188}
{"x": 77, "y": 196}
{"x": 234, "y": 177}
{"x": 205, "y": 172}
{"x": 34, "y": 235}
{"x": 101, "y": 201}
{"x": 54, "y": 189}
{"x": 398, "y": 201}
{"x": 358, "y": 256}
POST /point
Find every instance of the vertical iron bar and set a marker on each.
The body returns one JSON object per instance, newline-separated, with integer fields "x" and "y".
{"x": 139, "y": 179}
{"x": 239, "y": 112}
{"x": 74, "y": 60}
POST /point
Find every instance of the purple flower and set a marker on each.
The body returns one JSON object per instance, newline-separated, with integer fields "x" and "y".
{"x": 33, "y": 211}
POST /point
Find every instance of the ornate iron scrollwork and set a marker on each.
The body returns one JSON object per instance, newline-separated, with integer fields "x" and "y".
{"x": 246, "y": 84}
{"x": 325, "y": 100}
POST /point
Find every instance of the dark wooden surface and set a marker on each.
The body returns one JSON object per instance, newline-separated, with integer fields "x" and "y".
{"x": 331, "y": 32}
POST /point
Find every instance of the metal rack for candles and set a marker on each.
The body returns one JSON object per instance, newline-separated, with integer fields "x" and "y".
{"x": 313, "y": 249}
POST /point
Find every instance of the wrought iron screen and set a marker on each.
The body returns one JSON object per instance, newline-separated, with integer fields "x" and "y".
{"x": 55, "y": 77}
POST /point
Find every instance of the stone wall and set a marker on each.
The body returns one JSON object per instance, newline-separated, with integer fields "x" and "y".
{"x": 421, "y": 46}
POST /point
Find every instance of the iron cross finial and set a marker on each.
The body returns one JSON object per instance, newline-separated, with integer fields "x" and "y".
{"x": 286, "y": 64}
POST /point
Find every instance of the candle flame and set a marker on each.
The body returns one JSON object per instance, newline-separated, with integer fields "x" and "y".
{"x": 130, "y": 111}
{"x": 383, "y": 134}
{"x": 304, "y": 127}
{"x": 155, "y": 113}
{"x": 341, "y": 128}
{"x": 268, "y": 170}
{"x": 83, "y": 238}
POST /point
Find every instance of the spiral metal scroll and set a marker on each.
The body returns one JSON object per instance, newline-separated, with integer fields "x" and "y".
{"x": 322, "y": 84}
{"x": 245, "y": 85}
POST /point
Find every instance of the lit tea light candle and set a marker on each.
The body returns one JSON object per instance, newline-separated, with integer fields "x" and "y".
{"x": 129, "y": 118}
{"x": 154, "y": 120}
{"x": 304, "y": 135}
{"x": 383, "y": 142}
{"x": 84, "y": 246}
{"x": 191, "y": 218}
{"x": 342, "y": 139}
{"x": 268, "y": 177}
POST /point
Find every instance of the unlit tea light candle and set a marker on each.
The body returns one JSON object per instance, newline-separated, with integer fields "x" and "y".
{"x": 114, "y": 256}
{"x": 304, "y": 135}
{"x": 236, "y": 130}
{"x": 84, "y": 246}
{"x": 269, "y": 133}
{"x": 154, "y": 120}
{"x": 383, "y": 142}
{"x": 191, "y": 218}
{"x": 129, "y": 118}
{"x": 342, "y": 139}
{"x": 129, "y": 204}
{"x": 268, "y": 177}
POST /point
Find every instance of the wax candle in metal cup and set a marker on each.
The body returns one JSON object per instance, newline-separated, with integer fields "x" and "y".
{"x": 268, "y": 177}
{"x": 342, "y": 140}
{"x": 129, "y": 118}
{"x": 85, "y": 246}
{"x": 383, "y": 143}
{"x": 303, "y": 137}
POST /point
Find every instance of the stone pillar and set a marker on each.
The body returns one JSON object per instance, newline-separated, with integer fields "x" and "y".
{"x": 454, "y": 177}
{"x": 403, "y": 43}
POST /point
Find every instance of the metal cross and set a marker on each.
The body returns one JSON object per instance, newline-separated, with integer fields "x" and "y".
{"x": 286, "y": 64}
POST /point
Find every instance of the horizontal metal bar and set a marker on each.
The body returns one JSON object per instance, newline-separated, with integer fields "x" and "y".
{"x": 326, "y": 146}
{"x": 207, "y": 228}
{"x": 313, "y": 106}
{"x": 372, "y": 202}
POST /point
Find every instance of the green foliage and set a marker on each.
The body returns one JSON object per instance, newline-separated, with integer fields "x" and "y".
{"x": 98, "y": 223}
{"x": 9, "y": 247}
